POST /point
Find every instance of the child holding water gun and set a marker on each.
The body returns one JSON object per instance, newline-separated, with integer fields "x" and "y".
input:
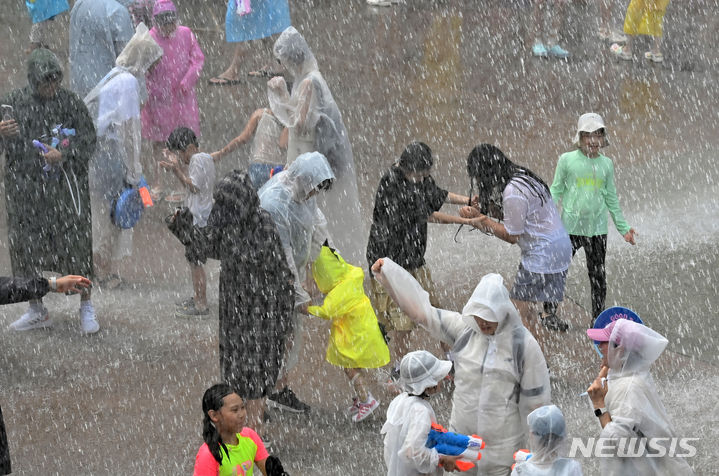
{"x": 356, "y": 342}
{"x": 410, "y": 418}
{"x": 230, "y": 448}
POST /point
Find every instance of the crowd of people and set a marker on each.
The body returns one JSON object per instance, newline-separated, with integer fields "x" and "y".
{"x": 294, "y": 214}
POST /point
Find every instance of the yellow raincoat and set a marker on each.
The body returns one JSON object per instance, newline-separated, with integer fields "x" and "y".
{"x": 645, "y": 17}
{"x": 356, "y": 341}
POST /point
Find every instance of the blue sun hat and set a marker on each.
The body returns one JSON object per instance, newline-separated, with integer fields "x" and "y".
{"x": 610, "y": 315}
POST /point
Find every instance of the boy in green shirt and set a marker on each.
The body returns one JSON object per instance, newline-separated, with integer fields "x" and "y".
{"x": 584, "y": 185}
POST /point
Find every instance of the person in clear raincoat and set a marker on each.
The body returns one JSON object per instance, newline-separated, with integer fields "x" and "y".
{"x": 410, "y": 417}
{"x": 114, "y": 105}
{"x": 628, "y": 403}
{"x": 547, "y": 441}
{"x": 290, "y": 199}
{"x": 500, "y": 372}
{"x": 315, "y": 124}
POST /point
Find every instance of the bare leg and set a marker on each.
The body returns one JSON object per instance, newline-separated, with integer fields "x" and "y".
{"x": 233, "y": 71}
{"x": 356, "y": 378}
{"x": 538, "y": 21}
{"x": 199, "y": 284}
{"x": 157, "y": 148}
{"x": 557, "y": 19}
{"x": 657, "y": 45}
{"x": 531, "y": 322}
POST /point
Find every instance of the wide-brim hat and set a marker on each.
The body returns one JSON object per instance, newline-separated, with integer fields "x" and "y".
{"x": 588, "y": 122}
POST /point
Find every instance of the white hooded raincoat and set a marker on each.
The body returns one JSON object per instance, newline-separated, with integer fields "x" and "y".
{"x": 498, "y": 379}
{"x": 315, "y": 124}
{"x": 634, "y": 405}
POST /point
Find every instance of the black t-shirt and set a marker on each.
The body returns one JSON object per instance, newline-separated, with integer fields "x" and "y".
{"x": 399, "y": 220}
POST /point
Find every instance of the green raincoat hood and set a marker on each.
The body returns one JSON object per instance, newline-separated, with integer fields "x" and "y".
{"x": 41, "y": 63}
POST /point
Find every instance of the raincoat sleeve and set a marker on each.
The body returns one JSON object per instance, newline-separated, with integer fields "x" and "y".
{"x": 130, "y": 135}
{"x": 197, "y": 60}
{"x": 413, "y": 300}
{"x": 535, "y": 390}
{"x": 559, "y": 184}
{"x": 14, "y": 290}
{"x": 320, "y": 234}
{"x": 283, "y": 230}
{"x": 413, "y": 451}
{"x": 612, "y": 202}
{"x": 299, "y": 110}
{"x": 82, "y": 144}
{"x": 336, "y": 304}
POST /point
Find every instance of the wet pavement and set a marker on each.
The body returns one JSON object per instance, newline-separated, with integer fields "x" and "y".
{"x": 452, "y": 74}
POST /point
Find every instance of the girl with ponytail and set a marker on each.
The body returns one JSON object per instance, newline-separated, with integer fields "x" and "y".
{"x": 527, "y": 216}
{"x": 230, "y": 448}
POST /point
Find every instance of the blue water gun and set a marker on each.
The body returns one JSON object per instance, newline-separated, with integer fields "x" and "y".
{"x": 455, "y": 444}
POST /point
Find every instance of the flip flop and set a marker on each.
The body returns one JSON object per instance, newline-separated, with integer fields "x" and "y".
{"x": 220, "y": 81}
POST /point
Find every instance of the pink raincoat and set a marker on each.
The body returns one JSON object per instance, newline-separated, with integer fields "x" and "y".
{"x": 172, "y": 101}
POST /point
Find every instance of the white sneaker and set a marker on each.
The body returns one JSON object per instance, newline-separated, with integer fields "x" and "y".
{"x": 34, "y": 318}
{"x": 379, "y": 3}
{"x": 365, "y": 409}
{"x": 88, "y": 321}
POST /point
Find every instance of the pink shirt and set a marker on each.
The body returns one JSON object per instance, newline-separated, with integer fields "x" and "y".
{"x": 207, "y": 465}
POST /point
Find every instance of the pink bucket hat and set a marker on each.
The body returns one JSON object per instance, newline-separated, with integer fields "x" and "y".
{"x": 163, "y": 6}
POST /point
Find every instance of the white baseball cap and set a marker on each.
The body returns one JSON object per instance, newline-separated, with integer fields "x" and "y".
{"x": 589, "y": 122}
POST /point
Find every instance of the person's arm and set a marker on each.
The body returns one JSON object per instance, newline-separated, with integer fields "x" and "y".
{"x": 534, "y": 385}
{"x": 197, "y": 60}
{"x": 559, "y": 185}
{"x": 244, "y": 137}
{"x": 205, "y": 463}
{"x": 445, "y": 218}
{"x": 82, "y": 145}
{"x": 485, "y": 224}
{"x": 597, "y": 391}
{"x": 612, "y": 202}
{"x": 413, "y": 300}
{"x": 456, "y": 199}
{"x": 129, "y": 134}
{"x": 14, "y": 290}
{"x": 172, "y": 163}
{"x": 121, "y": 29}
{"x": 284, "y": 138}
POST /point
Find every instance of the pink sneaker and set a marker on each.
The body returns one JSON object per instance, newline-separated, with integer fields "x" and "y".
{"x": 352, "y": 410}
{"x": 365, "y": 409}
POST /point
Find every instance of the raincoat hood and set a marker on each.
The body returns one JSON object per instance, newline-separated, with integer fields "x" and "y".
{"x": 42, "y": 62}
{"x": 306, "y": 173}
{"x": 294, "y": 53}
{"x": 633, "y": 347}
{"x": 235, "y": 201}
{"x": 329, "y": 269}
{"x": 547, "y": 433}
{"x": 140, "y": 53}
{"x": 490, "y": 301}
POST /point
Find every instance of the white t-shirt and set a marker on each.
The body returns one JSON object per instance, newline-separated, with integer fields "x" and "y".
{"x": 202, "y": 175}
{"x": 544, "y": 242}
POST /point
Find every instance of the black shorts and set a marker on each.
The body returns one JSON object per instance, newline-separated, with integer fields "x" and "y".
{"x": 194, "y": 252}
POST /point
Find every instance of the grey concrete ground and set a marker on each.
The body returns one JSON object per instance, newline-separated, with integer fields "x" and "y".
{"x": 451, "y": 73}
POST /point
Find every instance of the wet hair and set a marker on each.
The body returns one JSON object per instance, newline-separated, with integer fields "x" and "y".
{"x": 491, "y": 170}
{"x": 325, "y": 185}
{"x": 416, "y": 157}
{"x": 181, "y": 138}
{"x": 213, "y": 399}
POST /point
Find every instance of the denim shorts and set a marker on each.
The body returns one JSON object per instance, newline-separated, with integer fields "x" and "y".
{"x": 537, "y": 287}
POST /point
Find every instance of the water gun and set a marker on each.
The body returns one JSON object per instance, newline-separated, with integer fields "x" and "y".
{"x": 455, "y": 444}
{"x": 144, "y": 193}
{"x": 58, "y": 136}
{"x": 520, "y": 456}
{"x": 275, "y": 170}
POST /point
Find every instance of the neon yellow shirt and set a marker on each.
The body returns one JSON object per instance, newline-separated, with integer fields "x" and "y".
{"x": 240, "y": 460}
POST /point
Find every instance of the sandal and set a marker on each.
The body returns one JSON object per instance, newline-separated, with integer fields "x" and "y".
{"x": 553, "y": 323}
{"x": 654, "y": 58}
{"x": 618, "y": 51}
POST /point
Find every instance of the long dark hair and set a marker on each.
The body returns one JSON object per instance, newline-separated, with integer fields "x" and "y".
{"x": 213, "y": 399}
{"x": 491, "y": 171}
